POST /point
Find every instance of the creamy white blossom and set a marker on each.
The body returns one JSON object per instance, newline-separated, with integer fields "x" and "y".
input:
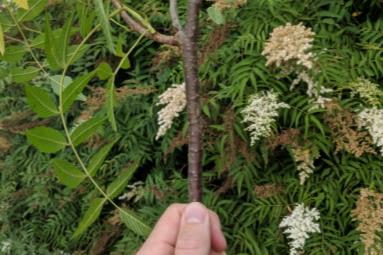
{"x": 5, "y": 246}
{"x": 290, "y": 44}
{"x": 174, "y": 99}
{"x": 372, "y": 120}
{"x": 313, "y": 90}
{"x": 299, "y": 224}
{"x": 260, "y": 114}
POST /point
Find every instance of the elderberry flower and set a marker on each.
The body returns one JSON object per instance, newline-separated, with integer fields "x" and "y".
{"x": 290, "y": 44}
{"x": 261, "y": 113}
{"x": 372, "y": 120}
{"x": 174, "y": 99}
{"x": 299, "y": 224}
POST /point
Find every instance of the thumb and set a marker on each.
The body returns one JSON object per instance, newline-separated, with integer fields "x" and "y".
{"x": 194, "y": 234}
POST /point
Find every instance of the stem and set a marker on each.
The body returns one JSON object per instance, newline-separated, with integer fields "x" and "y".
{"x": 137, "y": 27}
{"x": 190, "y": 59}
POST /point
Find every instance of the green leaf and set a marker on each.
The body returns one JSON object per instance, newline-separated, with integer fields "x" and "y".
{"x": 98, "y": 158}
{"x": 216, "y": 15}
{"x": 63, "y": 42}
{"x": 21, "y": 75}
{"x": 133, "y": 223}
{"x": 40, "y": 101}
{"x": 74, "y": 89}
{"x": 35, "y": 9}
{"x": 55, "y": 83}
{"x": 104, "y": 71}
{"x": 85, "y": 130}
{"x": 110, "y": 100}
{"x": 46, "y": 139}
{"x": 22, "y": 4}
{"x": 90, "y": 216}
{"x": 51, "y": 50}
{"x": 14, "y": 54}
{"x": 115, "y": 188}
{"x": 2, "y": 43}
{"x": 102, "y": 15}
{"x": 67, "y": 174}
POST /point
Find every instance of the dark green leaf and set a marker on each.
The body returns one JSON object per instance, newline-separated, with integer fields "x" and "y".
{"x": 46, "y": 139}
{"x": 133, "y": 223}
{"x": 40, "y": 101}
{"x": 51, "y": 51}
{"x": 90, "y": 216}
{"x": 63, "y": 42}
{"x": 110, "y": 101}
{"x": 98, "y": 158}
{"x": 85, "y": 130}
{"x": 115, "y": 188}
{"x": 67, "y": 174}
{"x": 74, "y": 89}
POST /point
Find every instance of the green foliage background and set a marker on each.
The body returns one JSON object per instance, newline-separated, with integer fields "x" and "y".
{"x": 39, "y": 215}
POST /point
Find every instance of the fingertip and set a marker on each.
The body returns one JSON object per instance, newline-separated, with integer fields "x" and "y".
{"x": 218, "y": 239}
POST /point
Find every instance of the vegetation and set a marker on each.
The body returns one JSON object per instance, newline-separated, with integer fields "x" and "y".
{"x": 83, "y": 173}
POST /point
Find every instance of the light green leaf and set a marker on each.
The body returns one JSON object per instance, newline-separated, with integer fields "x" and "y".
{"x": 35, "y": 9}
{"x": 13, "y": 54}
{"x": 55, "y": 83}
{"x": 74, "y": 89}
{"x": 40, "y": 101}
{"x": 90, "y": 216}
{"x": 85, "y": 130}
{"x": 216, "y": 15}
{"x": 106, "y": 29}
{"x": 22, "y": 4}
{"x": 115, "y": 188}
{"x": 104, "y": 71}
{"x": 133, "y": 223}
{"x": 21, "y": 75}
{"x": 2, "y": 43}
{"x": 67, "y": 174}
{"x": 98, "y": 158}
{"x": 110, "y": 101}
{"x": 46, "y": 139}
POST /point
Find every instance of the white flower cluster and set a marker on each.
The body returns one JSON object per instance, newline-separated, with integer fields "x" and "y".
{"x": 290, "y": 43}
{"x": 5, "y": 246}
{"x": 305, "y": 163}
{"x": 174, "y": 99}
{"x": 299, "y": 224}
{"x": 372, "y": 119}
{"x": 261, "y": 113}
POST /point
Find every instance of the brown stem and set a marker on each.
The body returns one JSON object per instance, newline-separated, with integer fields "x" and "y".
{"x": 189, "y": 39}
{"x": 174, "y": 15}
{"x": 137, "y": 27}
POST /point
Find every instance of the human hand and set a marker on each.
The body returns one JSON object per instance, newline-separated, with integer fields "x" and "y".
{"x": 186, "y": 229}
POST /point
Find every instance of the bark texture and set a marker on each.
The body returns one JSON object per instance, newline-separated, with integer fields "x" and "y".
{"x": 189, "y": 38}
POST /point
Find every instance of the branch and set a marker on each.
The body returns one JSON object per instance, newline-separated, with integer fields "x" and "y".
{"x": 137, "y": 27}
{"x": 174, "y": 14}
{"x": 190, "y": 58}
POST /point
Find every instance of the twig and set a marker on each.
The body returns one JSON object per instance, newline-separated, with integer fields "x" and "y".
{"x": 174, "y": 15}
{"x": 137, "y": 27}
{"x": 190, "y": 58}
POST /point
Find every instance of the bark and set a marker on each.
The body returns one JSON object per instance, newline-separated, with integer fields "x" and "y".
{"x": 189, "y": 39}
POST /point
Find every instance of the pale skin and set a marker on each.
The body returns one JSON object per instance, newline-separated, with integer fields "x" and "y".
{"x": 186, "y": 229}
